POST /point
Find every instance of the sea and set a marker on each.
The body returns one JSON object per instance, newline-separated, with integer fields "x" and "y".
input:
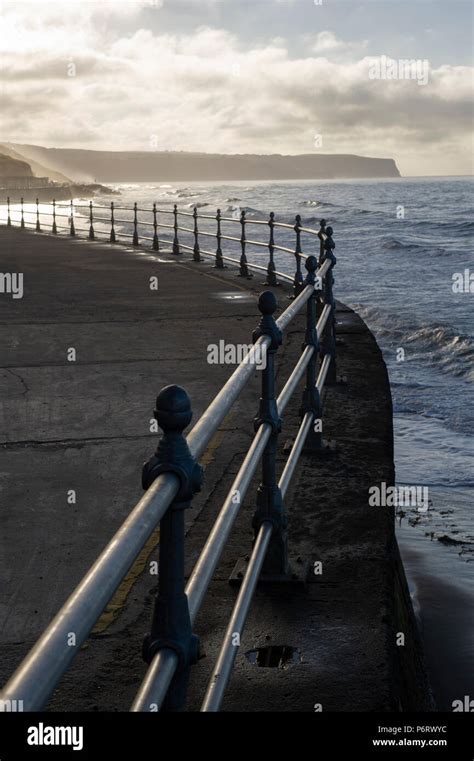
{"x": 404, "y": 262}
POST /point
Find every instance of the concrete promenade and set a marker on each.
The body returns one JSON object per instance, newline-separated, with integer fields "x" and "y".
{"x": 73, "y": 437}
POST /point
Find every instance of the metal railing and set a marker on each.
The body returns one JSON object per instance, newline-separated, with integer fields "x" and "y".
{"x": 172, "y": 477}
{"x": 145, "y": 226}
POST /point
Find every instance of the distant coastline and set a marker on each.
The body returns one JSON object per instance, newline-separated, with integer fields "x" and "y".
{"x": 174, "y": 166}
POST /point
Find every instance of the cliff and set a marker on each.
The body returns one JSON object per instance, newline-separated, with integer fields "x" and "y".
{"x": 10, "y": 167}
{"x": 35, "y": 168}
{"x": 155, "y": 166}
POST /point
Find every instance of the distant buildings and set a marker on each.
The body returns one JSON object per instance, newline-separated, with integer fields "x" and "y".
{"x": 25, "y": 183}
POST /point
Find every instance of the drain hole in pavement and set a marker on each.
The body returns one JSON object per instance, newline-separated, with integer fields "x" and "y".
{"x": 274, "y": 656}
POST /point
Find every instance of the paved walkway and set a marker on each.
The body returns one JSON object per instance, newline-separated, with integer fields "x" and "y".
{"x": 74, "y": 435}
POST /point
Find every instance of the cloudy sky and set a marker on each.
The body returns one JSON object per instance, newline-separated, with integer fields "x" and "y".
{"x": 241, "y": 76}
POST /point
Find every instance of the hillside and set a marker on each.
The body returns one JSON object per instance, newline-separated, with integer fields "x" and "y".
{"x": 153, "y": 166}
{"x": 10, "y": 167}
{"x": 36, "y": 169}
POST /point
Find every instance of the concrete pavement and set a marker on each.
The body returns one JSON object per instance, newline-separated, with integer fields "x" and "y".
{"x": 73, "y": 437}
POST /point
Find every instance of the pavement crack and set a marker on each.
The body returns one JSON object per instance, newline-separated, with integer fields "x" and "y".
{"x": 60, "y": 443}
{"x": 22, "y": 380}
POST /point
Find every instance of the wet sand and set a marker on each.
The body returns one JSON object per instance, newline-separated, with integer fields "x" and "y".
{"x": 445, "y": 615}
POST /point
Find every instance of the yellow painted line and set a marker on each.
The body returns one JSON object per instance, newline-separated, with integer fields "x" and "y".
{"x": 119, "y": 599}
{"x": 115, "y": 606}
{"x": 214, "y": 444}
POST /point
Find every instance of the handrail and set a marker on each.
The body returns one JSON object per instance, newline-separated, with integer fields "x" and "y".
{"x": 223, "y": 668}
{"x": 95, "y": 215}
{"x": 39, "y": 673}
{"x": 151, "y": 691}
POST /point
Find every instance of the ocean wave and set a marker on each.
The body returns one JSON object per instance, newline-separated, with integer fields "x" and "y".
{"x": 460, "y": 226}
{"x": 440, "y": 345}
{"x": 317, "y": 204}
{"x": 395, "y": 243}
{"x": 437, "y": 336}
{"x": 180, "y": 192}
{"x": 464, "y": 226}
{"x": 400, "y": 409}
{"x": 249, "y": 211}
{"x": 306, "y": 221}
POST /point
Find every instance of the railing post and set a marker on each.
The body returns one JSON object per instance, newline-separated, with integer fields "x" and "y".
{"x": 244, "y": 270}
{"x": 38, "y": 226}
{"x": 219, "y": 260}
{"x": 91, "y": 222}
{"x": 196, "y": 250}
{"x": 72, "y": 230}
{"x": 271, "y": 277}
{"x": 54, "y": 228}
{"x": 9, "y": 220}
{"x": 311, "y": 396}
{"x": 269, "y": 500}
{"x": 171, "y": 624}
{"x": 175, "y": 226}
{"x": 155, "y": 245}
{"x": 328, "y": 343}
{"x": 112, "y": 238}
{"x": 298, "y": 279}
{"x": 135, "y": 224}
{"x": 22, "y": 221}
{"x": 321, "y": 236}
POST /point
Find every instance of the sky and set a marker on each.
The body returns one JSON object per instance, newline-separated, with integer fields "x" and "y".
{"x": 238, "y": 76}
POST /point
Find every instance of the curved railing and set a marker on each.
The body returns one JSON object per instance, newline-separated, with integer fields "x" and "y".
{"x": 146, "y": 227}
{"x": 172, "y": 477}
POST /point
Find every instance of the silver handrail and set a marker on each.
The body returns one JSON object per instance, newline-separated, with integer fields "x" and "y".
{"x": 151, "y": 690}
{"x": 37, "y": 676}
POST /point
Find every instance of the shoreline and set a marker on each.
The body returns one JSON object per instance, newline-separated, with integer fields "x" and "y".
{"x": 445, "y": 617}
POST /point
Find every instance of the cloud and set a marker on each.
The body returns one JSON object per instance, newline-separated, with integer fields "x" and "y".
{"x": 327, "y": 41}
{"x": 133, "y": 88}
